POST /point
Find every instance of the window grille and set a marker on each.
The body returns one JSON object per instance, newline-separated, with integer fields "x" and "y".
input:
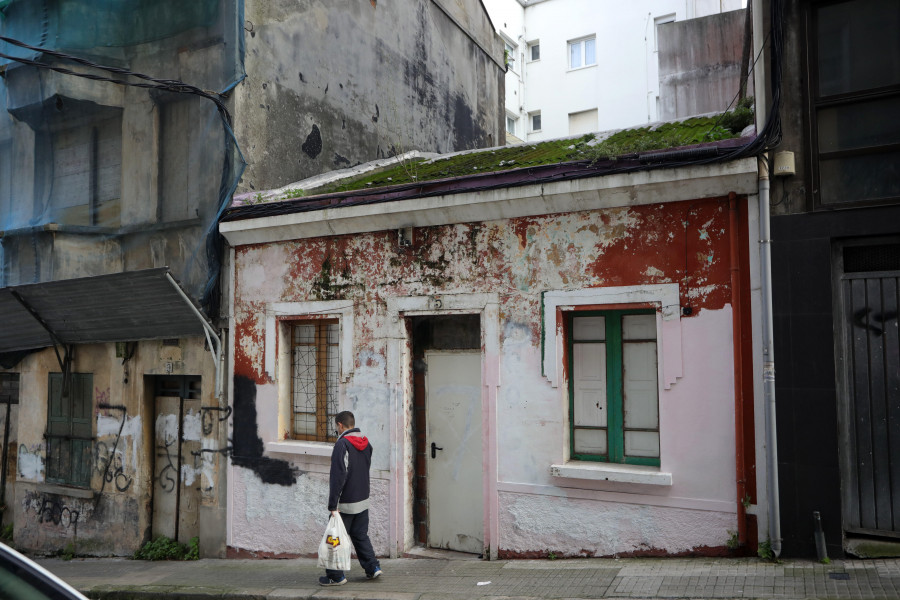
{"x": 315, "y": 368}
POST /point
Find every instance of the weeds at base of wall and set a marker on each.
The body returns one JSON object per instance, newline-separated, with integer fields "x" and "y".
{"x": 733, "y": 541}
{"x": 163, "y": 548}
{"x": 6, "y": 535}
{"x": 68, "y": 553}
{"x": 765, "y": 552}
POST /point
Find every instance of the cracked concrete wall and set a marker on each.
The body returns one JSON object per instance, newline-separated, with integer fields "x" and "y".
{"x": 683, "y": 242}
{"x": 112, "y": 516}
{"x": 331, "y": 84}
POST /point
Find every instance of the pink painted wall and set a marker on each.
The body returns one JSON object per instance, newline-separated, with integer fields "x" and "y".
{"x": 685, "y": 243}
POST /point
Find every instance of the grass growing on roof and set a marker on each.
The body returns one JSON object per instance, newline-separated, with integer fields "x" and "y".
{"x": 629, "y": 141}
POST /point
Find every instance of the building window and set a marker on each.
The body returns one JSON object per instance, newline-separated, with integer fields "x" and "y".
{"x": 613, "y": 391}
{"x": 511, "y": 124}
{"x": 86, "y": 178}
{"x": 657, "y": 22}
{"x": 509, "y": 54}
{"x": 583, "y": 122}
{"x": 534, "y": 51}
{"x": 315, "y": 379}
{"x": 582, "y": 53}
{"x": 69, "y": 429}
{"x": 855, "y": 97}
{"x": 535, "y": 121}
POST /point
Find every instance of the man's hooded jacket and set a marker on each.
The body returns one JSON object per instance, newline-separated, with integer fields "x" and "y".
{"x": 350, "y": 462}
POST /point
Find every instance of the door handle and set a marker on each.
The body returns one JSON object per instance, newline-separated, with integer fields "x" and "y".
{"x": 434, "y": 449}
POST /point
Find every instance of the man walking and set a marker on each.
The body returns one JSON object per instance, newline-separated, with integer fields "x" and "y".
{"x": 349, "y": 494}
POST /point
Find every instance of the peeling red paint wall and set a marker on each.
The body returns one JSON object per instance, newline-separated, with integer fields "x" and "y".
{"x": 685, "y": 243}
{"x": 682, "y": 242}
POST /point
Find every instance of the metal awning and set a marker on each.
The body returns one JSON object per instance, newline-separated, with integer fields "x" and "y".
{"x": 122, "y": 307}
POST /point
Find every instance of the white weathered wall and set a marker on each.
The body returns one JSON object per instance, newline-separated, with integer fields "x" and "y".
{"x": 517, "y": 259}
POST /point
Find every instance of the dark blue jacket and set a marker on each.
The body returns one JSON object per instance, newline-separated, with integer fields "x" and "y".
{"x": 350, "y": 462}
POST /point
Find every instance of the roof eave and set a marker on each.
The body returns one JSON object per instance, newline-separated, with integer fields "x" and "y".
{"x": 547, "y": 196}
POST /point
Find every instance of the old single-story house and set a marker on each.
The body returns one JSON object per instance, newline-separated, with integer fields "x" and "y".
{"x": 552, "y": 353}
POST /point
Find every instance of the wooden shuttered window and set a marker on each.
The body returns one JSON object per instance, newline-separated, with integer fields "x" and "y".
{"x": 69, "y": 430}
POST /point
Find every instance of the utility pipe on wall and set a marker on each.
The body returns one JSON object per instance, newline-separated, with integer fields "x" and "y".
{"x": 740, "y": 472}
{"x": 765, "y": 267}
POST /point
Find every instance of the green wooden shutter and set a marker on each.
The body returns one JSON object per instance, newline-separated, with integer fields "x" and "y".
{"x": 82, "y": 405}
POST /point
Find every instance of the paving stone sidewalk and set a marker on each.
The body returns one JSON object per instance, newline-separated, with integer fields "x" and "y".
{"x": 439, "y": 579}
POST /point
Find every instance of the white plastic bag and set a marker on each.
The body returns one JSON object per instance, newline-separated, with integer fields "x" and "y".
{"x": 334, "y": 550}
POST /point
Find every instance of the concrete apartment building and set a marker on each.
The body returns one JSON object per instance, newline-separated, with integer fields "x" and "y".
{"x": 578, "y": 66}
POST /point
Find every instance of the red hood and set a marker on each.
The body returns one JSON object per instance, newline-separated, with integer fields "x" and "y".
{"x": 360, "y": 442}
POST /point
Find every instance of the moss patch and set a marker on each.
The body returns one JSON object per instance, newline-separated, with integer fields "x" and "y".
{"x": 627, "y": 142}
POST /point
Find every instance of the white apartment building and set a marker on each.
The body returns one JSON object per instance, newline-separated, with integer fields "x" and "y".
{"x": 585, "y": 65}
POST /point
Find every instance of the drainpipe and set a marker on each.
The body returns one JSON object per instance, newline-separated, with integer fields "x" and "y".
{"x": 765, "y": 266}
{"x": 736, "y": 313}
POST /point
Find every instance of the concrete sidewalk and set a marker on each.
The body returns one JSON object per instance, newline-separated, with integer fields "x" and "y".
{"x": 442, "y": 579}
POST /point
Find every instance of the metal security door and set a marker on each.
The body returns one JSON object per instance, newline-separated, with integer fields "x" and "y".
{"x": 453, "y": 441}
{"x": 176, "y": 491}
{"x": 872, "y": 424}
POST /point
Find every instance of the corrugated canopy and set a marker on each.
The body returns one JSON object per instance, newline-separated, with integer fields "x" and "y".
{"x": 123, "y": 307}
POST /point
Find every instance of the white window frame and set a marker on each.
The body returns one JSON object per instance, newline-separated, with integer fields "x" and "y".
{"x": 581, "y": 43}
{"x": 512, "y": 49}
{"x": 280, "y": 317}
{"x": 666, "y": 297}
{"x": 656, "y": 23}
{"x": 531, "y": 117}
{"x": 529, "y": 55}
{"x": 515, "y": 122}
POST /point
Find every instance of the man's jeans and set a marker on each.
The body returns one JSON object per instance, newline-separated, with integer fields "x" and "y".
{"x": 358, "y": 528}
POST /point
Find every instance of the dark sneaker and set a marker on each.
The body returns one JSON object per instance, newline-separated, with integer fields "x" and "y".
{"x": 327, "y": 581}
{"x": 374, "y": 574}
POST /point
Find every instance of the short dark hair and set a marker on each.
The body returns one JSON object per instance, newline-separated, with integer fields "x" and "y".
{"x": 346, "y": 419}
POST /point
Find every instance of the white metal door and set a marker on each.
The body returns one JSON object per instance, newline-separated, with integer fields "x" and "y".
{"x": 453, "y": 443}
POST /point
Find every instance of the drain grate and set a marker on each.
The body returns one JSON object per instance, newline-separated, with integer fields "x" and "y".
{"x": 839, "y": 575}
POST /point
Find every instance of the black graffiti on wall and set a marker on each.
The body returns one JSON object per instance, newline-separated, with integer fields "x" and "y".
{"x": 209, "y": 420}
{"x": 863, "y": 319}
{"x": 247, "y": 445}
{"x": 56, "y": 512}
{"x": 109, "y": 466}
{"x": 105, "y": 457}
{"x": 168, "y": 475}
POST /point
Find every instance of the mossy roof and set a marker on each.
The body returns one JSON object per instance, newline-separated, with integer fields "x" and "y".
{"x": 589, "y": 147}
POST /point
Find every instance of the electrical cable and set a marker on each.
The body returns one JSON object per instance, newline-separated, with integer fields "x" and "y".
{"x": 228, "y": 184}
{"x": 169, "y": 85}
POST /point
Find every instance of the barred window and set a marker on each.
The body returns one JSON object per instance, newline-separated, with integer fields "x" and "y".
{"x": 315, "y": 374}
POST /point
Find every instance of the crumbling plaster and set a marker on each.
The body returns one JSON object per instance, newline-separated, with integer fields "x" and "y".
{"x": 113, "y": 515}
{"x": 683, "y": 243}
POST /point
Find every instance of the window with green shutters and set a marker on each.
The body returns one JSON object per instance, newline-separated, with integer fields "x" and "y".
{"x": 613, "y": 391}
{"x": 69, "y": 430}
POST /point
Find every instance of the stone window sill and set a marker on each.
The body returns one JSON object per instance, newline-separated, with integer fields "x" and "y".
{"x": 597, "y": 471}
{"x": 299, "y": 447}
{"x": 65, "y": 490}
